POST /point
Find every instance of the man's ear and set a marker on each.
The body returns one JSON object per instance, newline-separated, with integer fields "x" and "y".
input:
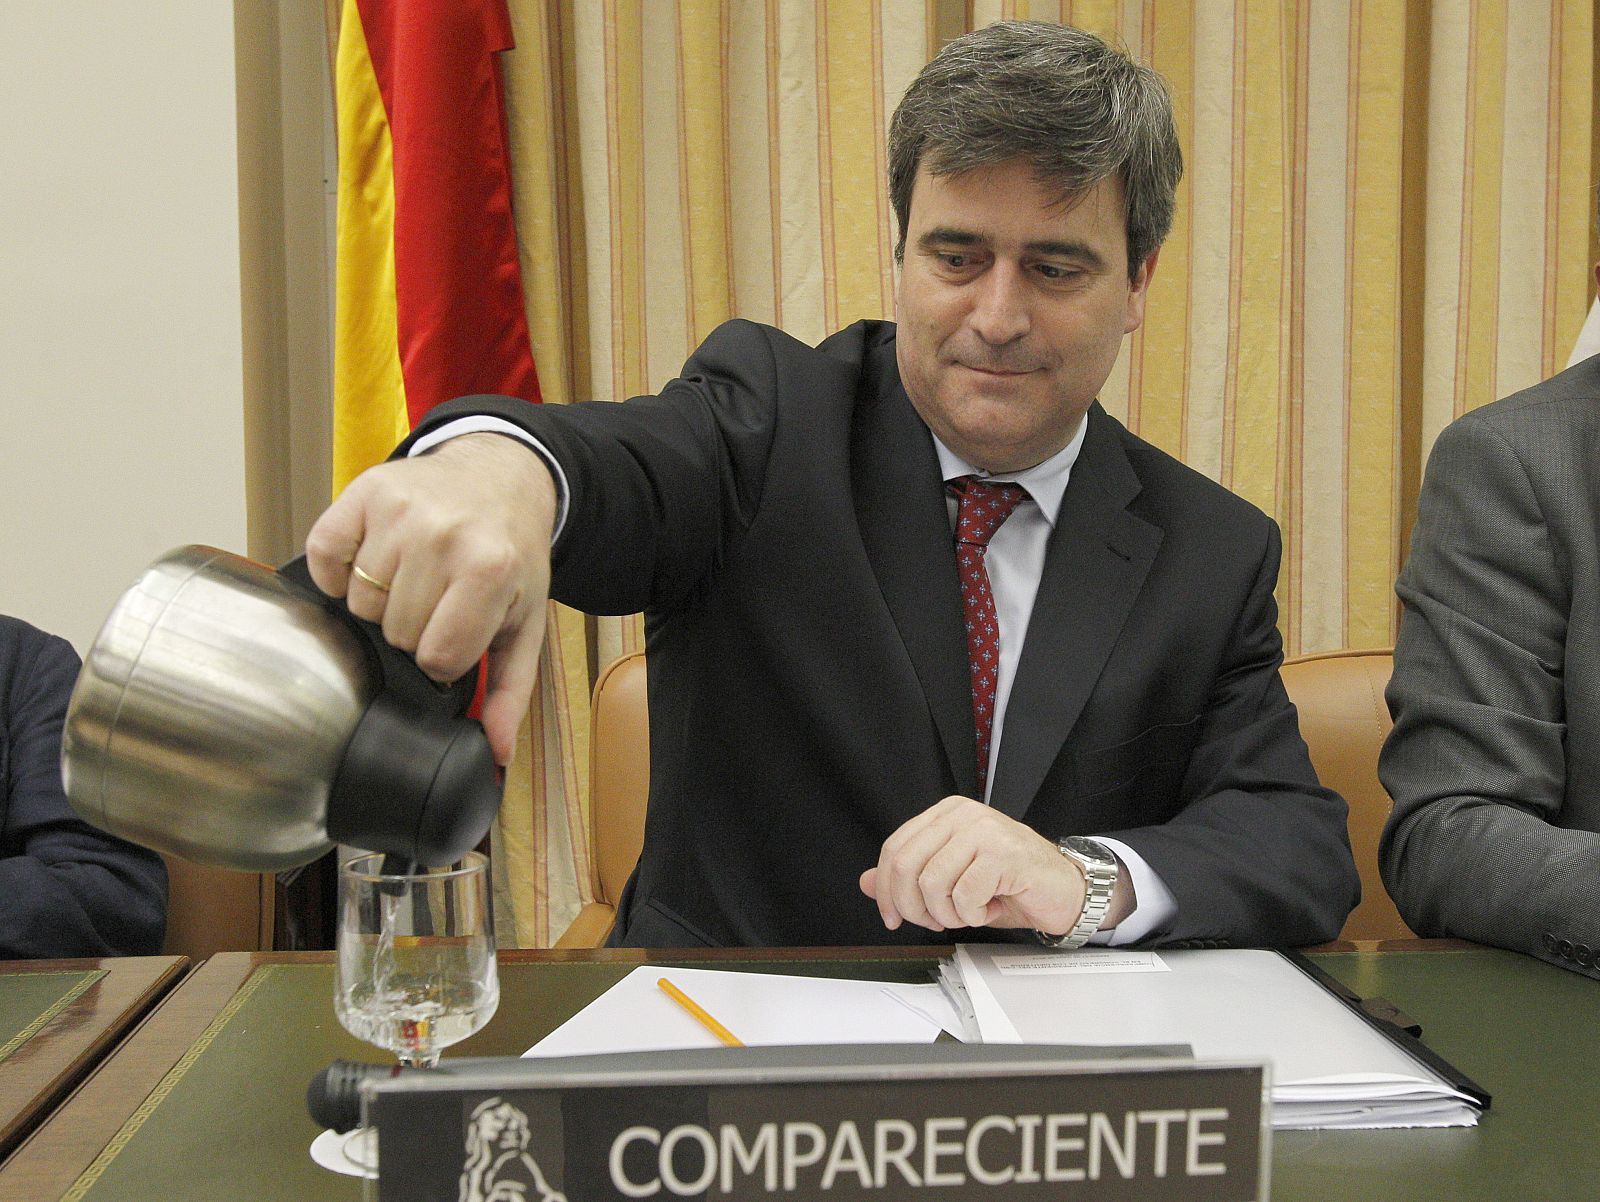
{"x": 1138, "y": 290}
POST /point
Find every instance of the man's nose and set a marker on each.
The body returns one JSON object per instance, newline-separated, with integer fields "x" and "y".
{"x": 1000, "y": 311}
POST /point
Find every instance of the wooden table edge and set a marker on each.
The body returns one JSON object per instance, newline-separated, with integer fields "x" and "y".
{"x": 47, "y": 1163}
{"x": 131, "y": 986}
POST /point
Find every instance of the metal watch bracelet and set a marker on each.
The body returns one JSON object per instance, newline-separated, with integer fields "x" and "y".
{"x": 1099, "y": 879}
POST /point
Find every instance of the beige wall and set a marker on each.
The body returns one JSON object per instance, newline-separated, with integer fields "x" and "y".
{"x": 126, "y": 354}
{"x": 120, "y": 376}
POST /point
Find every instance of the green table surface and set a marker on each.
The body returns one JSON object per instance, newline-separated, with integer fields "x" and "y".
{"x": 229, "y": 1117}
{"x": 1526, "y": 1031}
{"x": 30, "y": 998}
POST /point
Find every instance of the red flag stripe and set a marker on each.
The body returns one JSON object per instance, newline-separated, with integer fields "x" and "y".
{"x": 461, "y": 322}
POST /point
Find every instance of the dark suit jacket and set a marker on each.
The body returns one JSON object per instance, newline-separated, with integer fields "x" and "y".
{"x": 778, "y": 514}
{"x": 1494, "y": 761}
{"x": 66, "y": 889}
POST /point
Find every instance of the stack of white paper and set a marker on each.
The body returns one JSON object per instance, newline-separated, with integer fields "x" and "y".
{"x": 1329, "y": 1067}
{"x": 761, "y": 1009}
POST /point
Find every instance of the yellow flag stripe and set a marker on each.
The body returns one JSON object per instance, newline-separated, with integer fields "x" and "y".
{"x": 369, "y": 415}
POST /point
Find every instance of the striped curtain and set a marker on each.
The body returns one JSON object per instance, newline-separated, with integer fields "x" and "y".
{"x": 1386, "y": 220}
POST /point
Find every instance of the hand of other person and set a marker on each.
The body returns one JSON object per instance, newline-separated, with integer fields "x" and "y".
{"x": 458, "y": 543}
{"x": 961, "y": 864}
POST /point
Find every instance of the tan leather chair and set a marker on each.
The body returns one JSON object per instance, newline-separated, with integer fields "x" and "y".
{"x": 1344, "y": 721}
{"x": 216, "y": 910}
{"x": 619, "y": 788}
{"x": 1342, "y": 717}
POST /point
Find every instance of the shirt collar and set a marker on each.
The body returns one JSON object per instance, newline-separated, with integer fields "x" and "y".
{"x": 1046, "y": 482}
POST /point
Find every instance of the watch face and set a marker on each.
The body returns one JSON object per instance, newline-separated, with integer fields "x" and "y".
{"x": 1097, "y": 853}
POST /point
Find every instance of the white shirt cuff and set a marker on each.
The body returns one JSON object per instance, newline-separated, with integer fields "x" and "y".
{"x": 1153, "y": 904}
{"x": 485, "y": 424}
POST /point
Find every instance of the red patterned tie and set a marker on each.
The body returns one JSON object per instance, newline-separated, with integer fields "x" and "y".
{"x": 984, "y": 507}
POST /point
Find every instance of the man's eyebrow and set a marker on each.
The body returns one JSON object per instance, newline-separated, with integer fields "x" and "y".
{"x": 1081, "y": 251}
{"x": 945, "y": 235}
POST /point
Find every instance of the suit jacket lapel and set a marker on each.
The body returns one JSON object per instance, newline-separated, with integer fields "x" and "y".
{"x": 1098, "y": 558}
{"x": 905, "y": 527}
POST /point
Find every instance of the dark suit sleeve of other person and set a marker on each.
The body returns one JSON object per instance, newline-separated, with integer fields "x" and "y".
{"x": 1494, "y": 761}
{"x": 66, "y": 889}
{"x": 779, "y": 515}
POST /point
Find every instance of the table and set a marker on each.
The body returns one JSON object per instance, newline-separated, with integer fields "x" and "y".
{"x": 206, "y": 1100}
{"x": 59, "y": 1018}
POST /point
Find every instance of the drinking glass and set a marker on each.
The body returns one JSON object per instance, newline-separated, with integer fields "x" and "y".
{"x": 416, "y": 962}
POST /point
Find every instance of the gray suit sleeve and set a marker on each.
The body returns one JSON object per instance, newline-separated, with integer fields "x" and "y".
{"x": 1477, "y": 762}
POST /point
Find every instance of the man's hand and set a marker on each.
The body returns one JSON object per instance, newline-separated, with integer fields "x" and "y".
{"x": 962, "y": 864}
{"x": 461, "y": 538}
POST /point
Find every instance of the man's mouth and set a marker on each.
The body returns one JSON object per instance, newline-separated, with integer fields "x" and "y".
{"x": 997, "y": 371}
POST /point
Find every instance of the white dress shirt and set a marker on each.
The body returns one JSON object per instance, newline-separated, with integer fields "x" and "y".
{"x": 1015, "y": 563}
{"x": 1588, "y": 338}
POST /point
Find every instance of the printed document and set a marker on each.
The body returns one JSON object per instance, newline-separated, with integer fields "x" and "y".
{"x": 1330, "y": 1068}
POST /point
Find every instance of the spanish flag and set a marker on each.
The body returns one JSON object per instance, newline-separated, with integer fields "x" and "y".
{"x": 428, "y": 289}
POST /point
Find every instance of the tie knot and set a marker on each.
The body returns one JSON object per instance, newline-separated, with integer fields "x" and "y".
{"x": 985, "y": 505}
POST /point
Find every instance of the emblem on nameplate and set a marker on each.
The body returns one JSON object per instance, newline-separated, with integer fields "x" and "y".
{"x": 498, "y": 1166}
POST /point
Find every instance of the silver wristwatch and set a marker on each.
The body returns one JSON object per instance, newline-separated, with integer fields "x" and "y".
{"x": 1099, "y": 879}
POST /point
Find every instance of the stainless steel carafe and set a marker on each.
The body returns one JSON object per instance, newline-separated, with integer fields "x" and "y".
{"x": 234, "y": 715}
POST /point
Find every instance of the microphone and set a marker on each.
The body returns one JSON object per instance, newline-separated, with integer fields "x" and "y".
{"x": 334, "y": 1095}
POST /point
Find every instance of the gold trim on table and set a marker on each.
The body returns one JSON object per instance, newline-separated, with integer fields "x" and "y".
{"x": 61, "y": 1003}
{"x": 129, "y": 1129}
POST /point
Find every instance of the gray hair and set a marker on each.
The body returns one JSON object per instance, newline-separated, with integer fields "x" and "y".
{"x": 1077, "y": 109}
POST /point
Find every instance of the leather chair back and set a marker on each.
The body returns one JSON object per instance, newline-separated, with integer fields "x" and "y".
{"x": 619, "y": 790}
{"x": 216, "y": 910}
{"x": 1344, "y": 721}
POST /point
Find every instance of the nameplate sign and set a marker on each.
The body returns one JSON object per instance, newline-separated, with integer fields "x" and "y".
{"x": 835, "y": 1123}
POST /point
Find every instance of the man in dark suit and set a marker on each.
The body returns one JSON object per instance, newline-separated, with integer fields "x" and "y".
{"x": 1494, "y": 760}
{"x": 921, "y": 617}
{"x": 66, "y": 889}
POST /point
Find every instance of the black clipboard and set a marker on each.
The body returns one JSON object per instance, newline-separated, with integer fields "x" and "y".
{"x": 1394, "y": 1025}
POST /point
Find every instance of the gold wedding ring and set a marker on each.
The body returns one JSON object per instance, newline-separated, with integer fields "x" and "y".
{"x": 372, "y": 580}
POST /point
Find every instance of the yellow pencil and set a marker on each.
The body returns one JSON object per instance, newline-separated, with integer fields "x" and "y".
{"x": 704, "y": 1019}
